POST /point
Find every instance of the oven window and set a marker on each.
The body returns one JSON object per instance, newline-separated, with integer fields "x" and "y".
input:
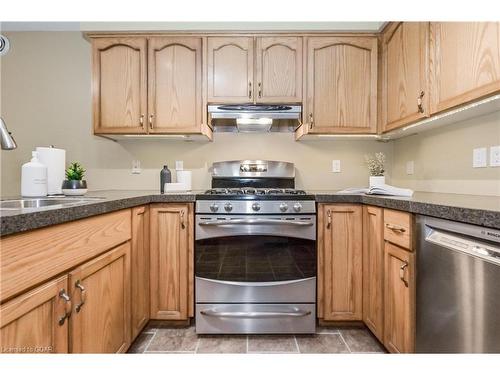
{"x": 255, "y": 258}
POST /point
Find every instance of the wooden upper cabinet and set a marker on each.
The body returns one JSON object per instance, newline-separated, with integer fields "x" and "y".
{"x": 340, "y": 265}
{"x": 170, "y": 261}
{"x": 465, "y": 62}
{"x": 278, "y": 70}
{"x": 37, "y": 321}
{"x": 174, "y": 84}
{"x": 139, "y": 270}
{"x": 341, "y": 85}
{"x": 405, "y": 91}
{"x": 100, "y": 289}
{"x": 399, "y": 296}
{"x": 230, "y": 69}
{"x": 373, "y": 269}
{"x": 119, "y": 84}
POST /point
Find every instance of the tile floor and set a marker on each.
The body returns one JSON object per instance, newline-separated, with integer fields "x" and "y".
{"x": 326, "y": 340}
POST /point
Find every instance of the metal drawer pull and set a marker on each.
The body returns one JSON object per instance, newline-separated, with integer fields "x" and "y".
{"x": 256, "y": 315}
{"x": 402, "y": 273}
{"x": 260, "y": 90}
{"x": 83, "y": 294}
{"x": 395, "y": 228}
{"x": 249, "y": 90}
{"x": 311, "y": 120}
{"x": 67, "y": 306}
{"x": 183, "y": 225}
{"x": 329, "y": 223}
{"x": 254, "y": 222}
{"x": 151, "y": 121}
{"x": 141, "y": 120}
{"x": 419, "y": 102}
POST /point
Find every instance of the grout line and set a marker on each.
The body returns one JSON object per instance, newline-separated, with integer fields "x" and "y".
{"x": 247, "y": 345}
{"x": 345, "y": 342}
{"x": 149, "y": 343}
{"x": 296, "y": 343}
{"x": 197, "y": 344}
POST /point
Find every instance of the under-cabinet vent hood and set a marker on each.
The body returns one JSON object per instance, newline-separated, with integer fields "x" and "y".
{"x": 247, "y": 118}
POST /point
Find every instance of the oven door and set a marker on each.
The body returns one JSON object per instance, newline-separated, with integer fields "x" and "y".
{"x": 268, "y": 258}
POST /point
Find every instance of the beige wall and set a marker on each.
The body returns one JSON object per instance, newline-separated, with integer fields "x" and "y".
{"x": 45, "y": 99}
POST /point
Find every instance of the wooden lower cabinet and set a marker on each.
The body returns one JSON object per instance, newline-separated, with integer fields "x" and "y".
{"x": 373, "y": 270}
{"x": 36, "y": 321}
{"x": 100, "y": 289}
{"x": 171, "y": 261}
{"x": 399, "y": 295}
{"x": 340, "y": 262}
{"x": 139, "y": 259}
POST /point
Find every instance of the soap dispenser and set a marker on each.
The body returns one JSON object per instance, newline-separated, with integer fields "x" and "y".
{"x": 34, "y": 178}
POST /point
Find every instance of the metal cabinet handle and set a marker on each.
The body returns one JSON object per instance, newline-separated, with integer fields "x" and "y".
{"x": 249, "y": 90}
{"x": 183, "y": 225}
{"x": 83, "y": 296}
{"x": 67, "y": 306}
{"x": 311, "y": 120}
{"x": 329, "y": 221}
{"x": 402, "y": 273}
{"x": 260, "y": 90}
{"x": 395, "y": 228}
{"x": 141, "y": 120}
{"x": 255, "y": 315}
{"x": 419, "y": 102}
{"x": 151, "y": 121}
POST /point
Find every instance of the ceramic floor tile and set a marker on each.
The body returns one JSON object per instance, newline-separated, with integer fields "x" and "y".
{"x": 361, "y": 340}
{"x": 327, "y": 330}
{"x": 174, "y": 340}
{"x": 140, "y": 343}
{"x": 321, "y": 343}
{"x": 272, "y": 344}
{"x": 222, "y": 344}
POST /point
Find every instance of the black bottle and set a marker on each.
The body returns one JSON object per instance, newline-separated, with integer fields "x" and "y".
{"x": 165, "y": 176}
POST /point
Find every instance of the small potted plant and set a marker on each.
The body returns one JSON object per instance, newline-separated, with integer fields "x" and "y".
{"x": 74, "y": 183}
{"x": 376, "y": 168}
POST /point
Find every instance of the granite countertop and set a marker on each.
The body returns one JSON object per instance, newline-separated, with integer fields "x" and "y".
{"x": 478, "y": 210}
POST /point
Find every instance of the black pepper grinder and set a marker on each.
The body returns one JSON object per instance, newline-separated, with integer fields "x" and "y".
{"x": 165, "y": 176}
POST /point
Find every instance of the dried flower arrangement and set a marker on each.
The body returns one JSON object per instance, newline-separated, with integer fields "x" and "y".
{"x": 376, "y": 164}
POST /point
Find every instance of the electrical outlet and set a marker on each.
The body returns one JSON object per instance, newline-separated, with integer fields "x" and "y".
{"x": 410, "y": 167}
{"x": 479, "y": 157}
{"x": 136, "y": 167}
{"x": 336, "y": 166}
{"x": 495, "y": 156}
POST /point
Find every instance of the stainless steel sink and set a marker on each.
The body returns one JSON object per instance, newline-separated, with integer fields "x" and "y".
{"x": 22, "y": 204}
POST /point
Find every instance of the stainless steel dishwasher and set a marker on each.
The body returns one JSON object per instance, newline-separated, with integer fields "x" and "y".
{"x": 458, "y": 287}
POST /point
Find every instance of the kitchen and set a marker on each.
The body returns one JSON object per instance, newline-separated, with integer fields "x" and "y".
{"x": 262, "y": 246}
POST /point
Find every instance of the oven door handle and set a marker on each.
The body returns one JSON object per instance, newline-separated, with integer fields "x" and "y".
{"x": 255, "y": 315}
{"x": 255, "y": 222}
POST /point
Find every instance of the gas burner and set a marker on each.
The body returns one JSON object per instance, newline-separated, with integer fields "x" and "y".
{"x": 254, "y": 191}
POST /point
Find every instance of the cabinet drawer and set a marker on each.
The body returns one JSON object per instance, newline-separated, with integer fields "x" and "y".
{"x": 398, "y": 228}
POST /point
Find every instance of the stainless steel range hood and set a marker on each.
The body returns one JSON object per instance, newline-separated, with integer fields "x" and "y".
{"x": 246, "y": 118}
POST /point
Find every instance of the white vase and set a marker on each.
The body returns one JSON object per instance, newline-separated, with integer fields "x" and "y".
{"x": 377, "y": 181}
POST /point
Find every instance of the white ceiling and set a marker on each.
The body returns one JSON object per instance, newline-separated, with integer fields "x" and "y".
{"x": 166, "y": 26}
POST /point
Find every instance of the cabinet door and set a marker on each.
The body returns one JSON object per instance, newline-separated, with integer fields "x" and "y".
{"x": 341, "y": 245}
{"x": 37, "y": 321}
{"x": 100, "y": 288}
{"x": 465, "y": 62}
{"x": 174, "y": 85}
{"x": 399, "y": 295}
{"x": 373, "y": 270}
{"x": 341, "y": 85}
{"x": 230, "y": 70}
{"x": 119, "y": 85}
{"x": 139, "y": 259}
{"x": 279, "y": 69}
{"x": 170, "y": 253}
{"x": 405, "y": 56}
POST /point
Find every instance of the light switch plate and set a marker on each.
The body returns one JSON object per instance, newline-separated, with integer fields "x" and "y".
{"x": 179, "y": 165}
{"x": 479, "y": 157}
{"x": 336, "y": 166}
{"x": 495, "y": 156}
{"x": 136, "y": 167}
{"x": 410, "y": 167}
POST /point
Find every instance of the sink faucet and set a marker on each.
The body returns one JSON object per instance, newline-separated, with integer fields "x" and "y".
{"x": 8, "y": 142}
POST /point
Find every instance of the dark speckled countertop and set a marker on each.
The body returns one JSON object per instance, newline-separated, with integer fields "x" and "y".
{"x": 479, "y": 210}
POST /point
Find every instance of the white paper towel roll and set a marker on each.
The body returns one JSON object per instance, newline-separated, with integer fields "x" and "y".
{"x": 55, "y": 160}
{"x": 184, "y": 177}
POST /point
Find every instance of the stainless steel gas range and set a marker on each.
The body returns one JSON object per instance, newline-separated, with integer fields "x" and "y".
{"x": 255, "y": 251}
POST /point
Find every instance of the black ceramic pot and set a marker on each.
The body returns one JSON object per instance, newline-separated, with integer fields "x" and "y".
{"x": 74, "y": 184}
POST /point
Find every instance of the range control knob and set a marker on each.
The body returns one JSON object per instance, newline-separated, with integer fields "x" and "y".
{"x": 283, "y": 207}
{"x": 214, "y": 207}
{"x": 228, "y": 207}
{"x": 255, "y": 206}
{"x": 297, "y": 207}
